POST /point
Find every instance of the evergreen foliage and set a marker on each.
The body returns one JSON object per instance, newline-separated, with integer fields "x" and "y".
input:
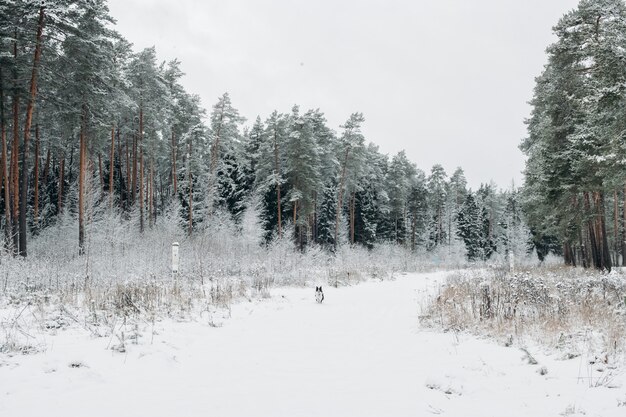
{"x": 575, "y": 143}
{"x": 117, "y": 133}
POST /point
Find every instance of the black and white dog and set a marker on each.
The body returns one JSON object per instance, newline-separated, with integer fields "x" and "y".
{"x": 319, "y": 294}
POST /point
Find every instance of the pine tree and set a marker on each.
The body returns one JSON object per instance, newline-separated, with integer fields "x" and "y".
{"x": 436, "y": 185}
{"x": 418, "y": 211}
{"x": 270, "y": 175}
{"x": 225, "y": 123}
{"x": 351, "y": 150}
{"x": 326, "y": 219}
{"x": 400, "y": 179}
{"x": 574, "y": 132}
{"x": 253, "y": 139}
{"x": 471, "y": 228}
{"x": 302, "y": 171}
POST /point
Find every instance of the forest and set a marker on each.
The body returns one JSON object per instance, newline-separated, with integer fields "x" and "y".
{"x": 575, "y": 178}
{"x": 93, "y": 128}
{"x": 136, "y": 220}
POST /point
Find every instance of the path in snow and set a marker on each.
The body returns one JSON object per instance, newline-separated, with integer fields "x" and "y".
{"x": 360, "y": 353}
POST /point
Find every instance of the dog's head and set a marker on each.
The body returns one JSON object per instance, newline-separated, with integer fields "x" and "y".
{"x": 318, "y": 289}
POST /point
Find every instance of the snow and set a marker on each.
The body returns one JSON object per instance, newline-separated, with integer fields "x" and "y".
{"x": 360, "y": 353}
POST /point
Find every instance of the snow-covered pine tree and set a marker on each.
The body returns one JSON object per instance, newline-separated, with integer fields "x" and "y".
{"x": 225, "y": 138}
{"x": 400, "y": 179}
{"x": 573, "y": 130}
{"x": 326, "y": 217}
{"x": 270, "y": 174}
{"x": 302, "y": 172}
{"x": 351, "y": 150}
{"x": 417, "y": 207}
{"x": 252, "y": 141}
{"x": 436, "y": 185}
{"x": 515, "y": 239}
{"x": 490, "y": 207}
{"x": 369, "y": 210}
{"x": 471, "y": 228}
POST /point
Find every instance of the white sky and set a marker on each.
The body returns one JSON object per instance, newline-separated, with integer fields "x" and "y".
{"x": 446, "y": 80}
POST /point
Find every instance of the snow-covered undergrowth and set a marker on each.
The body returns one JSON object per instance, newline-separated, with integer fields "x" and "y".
{"x": 359, "y": 353}
{"x": 574, "y": 311}
{"x": 123, "y": 282}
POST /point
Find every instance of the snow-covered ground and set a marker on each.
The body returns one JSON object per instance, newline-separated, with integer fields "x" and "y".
{"x": 360, "y": 353}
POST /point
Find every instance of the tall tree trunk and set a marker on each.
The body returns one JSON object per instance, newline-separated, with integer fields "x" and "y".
{"x": 46, "y": 168}
{"x": 61, "y": 184}
{"x": 70, "y": 165}
{"x": 624, "y": 230}
{"x": 190, "y": 182}
{"x": 133, "y": 181}
{"x": 149, "y": 191}
{"x": 340, "y": 194}
{"x": 36, "y": 191}
{"x": 595, "y": 256}
{"x": 15, "y": 147}
{"x": 141, "y": 201}
{"x": 15, "y": 187}
{"x": 27, "y": 125}
{"x": 278, "y": 177}
{"x": 162, "y": 193}
{"x": 404, "y": 227}
{"x": 128, "y": 172}
{"x": 151, "y": 194}
{"x": 215, "y": 155}
{"x": 449, "y": 230}
{"x": 100, "y": 173}
{"x": 616, "y": 245}
{"x": 5, "y": 169}
{"x": 174, "y": 173}
{"x": 215, "y": 149}
{"x": 81, "y": 183}
{"x": 395, "y": 228}
{"x": 111, "y": 167}
{"x": 583, "y": 253}
{"x": 567, "y": 254}
{"x": 605, "y": 253}
{"x": 413, "y": 230}
{"x": 352, "y": 216}
{"x": 141, "y": 190}
{"x": 440, "y": 225}
{"x": 314, "y": 231}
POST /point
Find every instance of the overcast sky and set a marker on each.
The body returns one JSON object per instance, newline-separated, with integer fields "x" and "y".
{"x": 446, "y": 80}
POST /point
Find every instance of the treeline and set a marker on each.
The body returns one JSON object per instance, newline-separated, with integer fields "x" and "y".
{"x": 86, "y": 122}
{"x": 575, "y": 190}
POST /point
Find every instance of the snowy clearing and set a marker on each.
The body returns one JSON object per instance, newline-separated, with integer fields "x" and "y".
{"x": 360, "y": 353}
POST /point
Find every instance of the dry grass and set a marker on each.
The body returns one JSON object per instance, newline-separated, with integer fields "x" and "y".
{"x": 564, "y": 308}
